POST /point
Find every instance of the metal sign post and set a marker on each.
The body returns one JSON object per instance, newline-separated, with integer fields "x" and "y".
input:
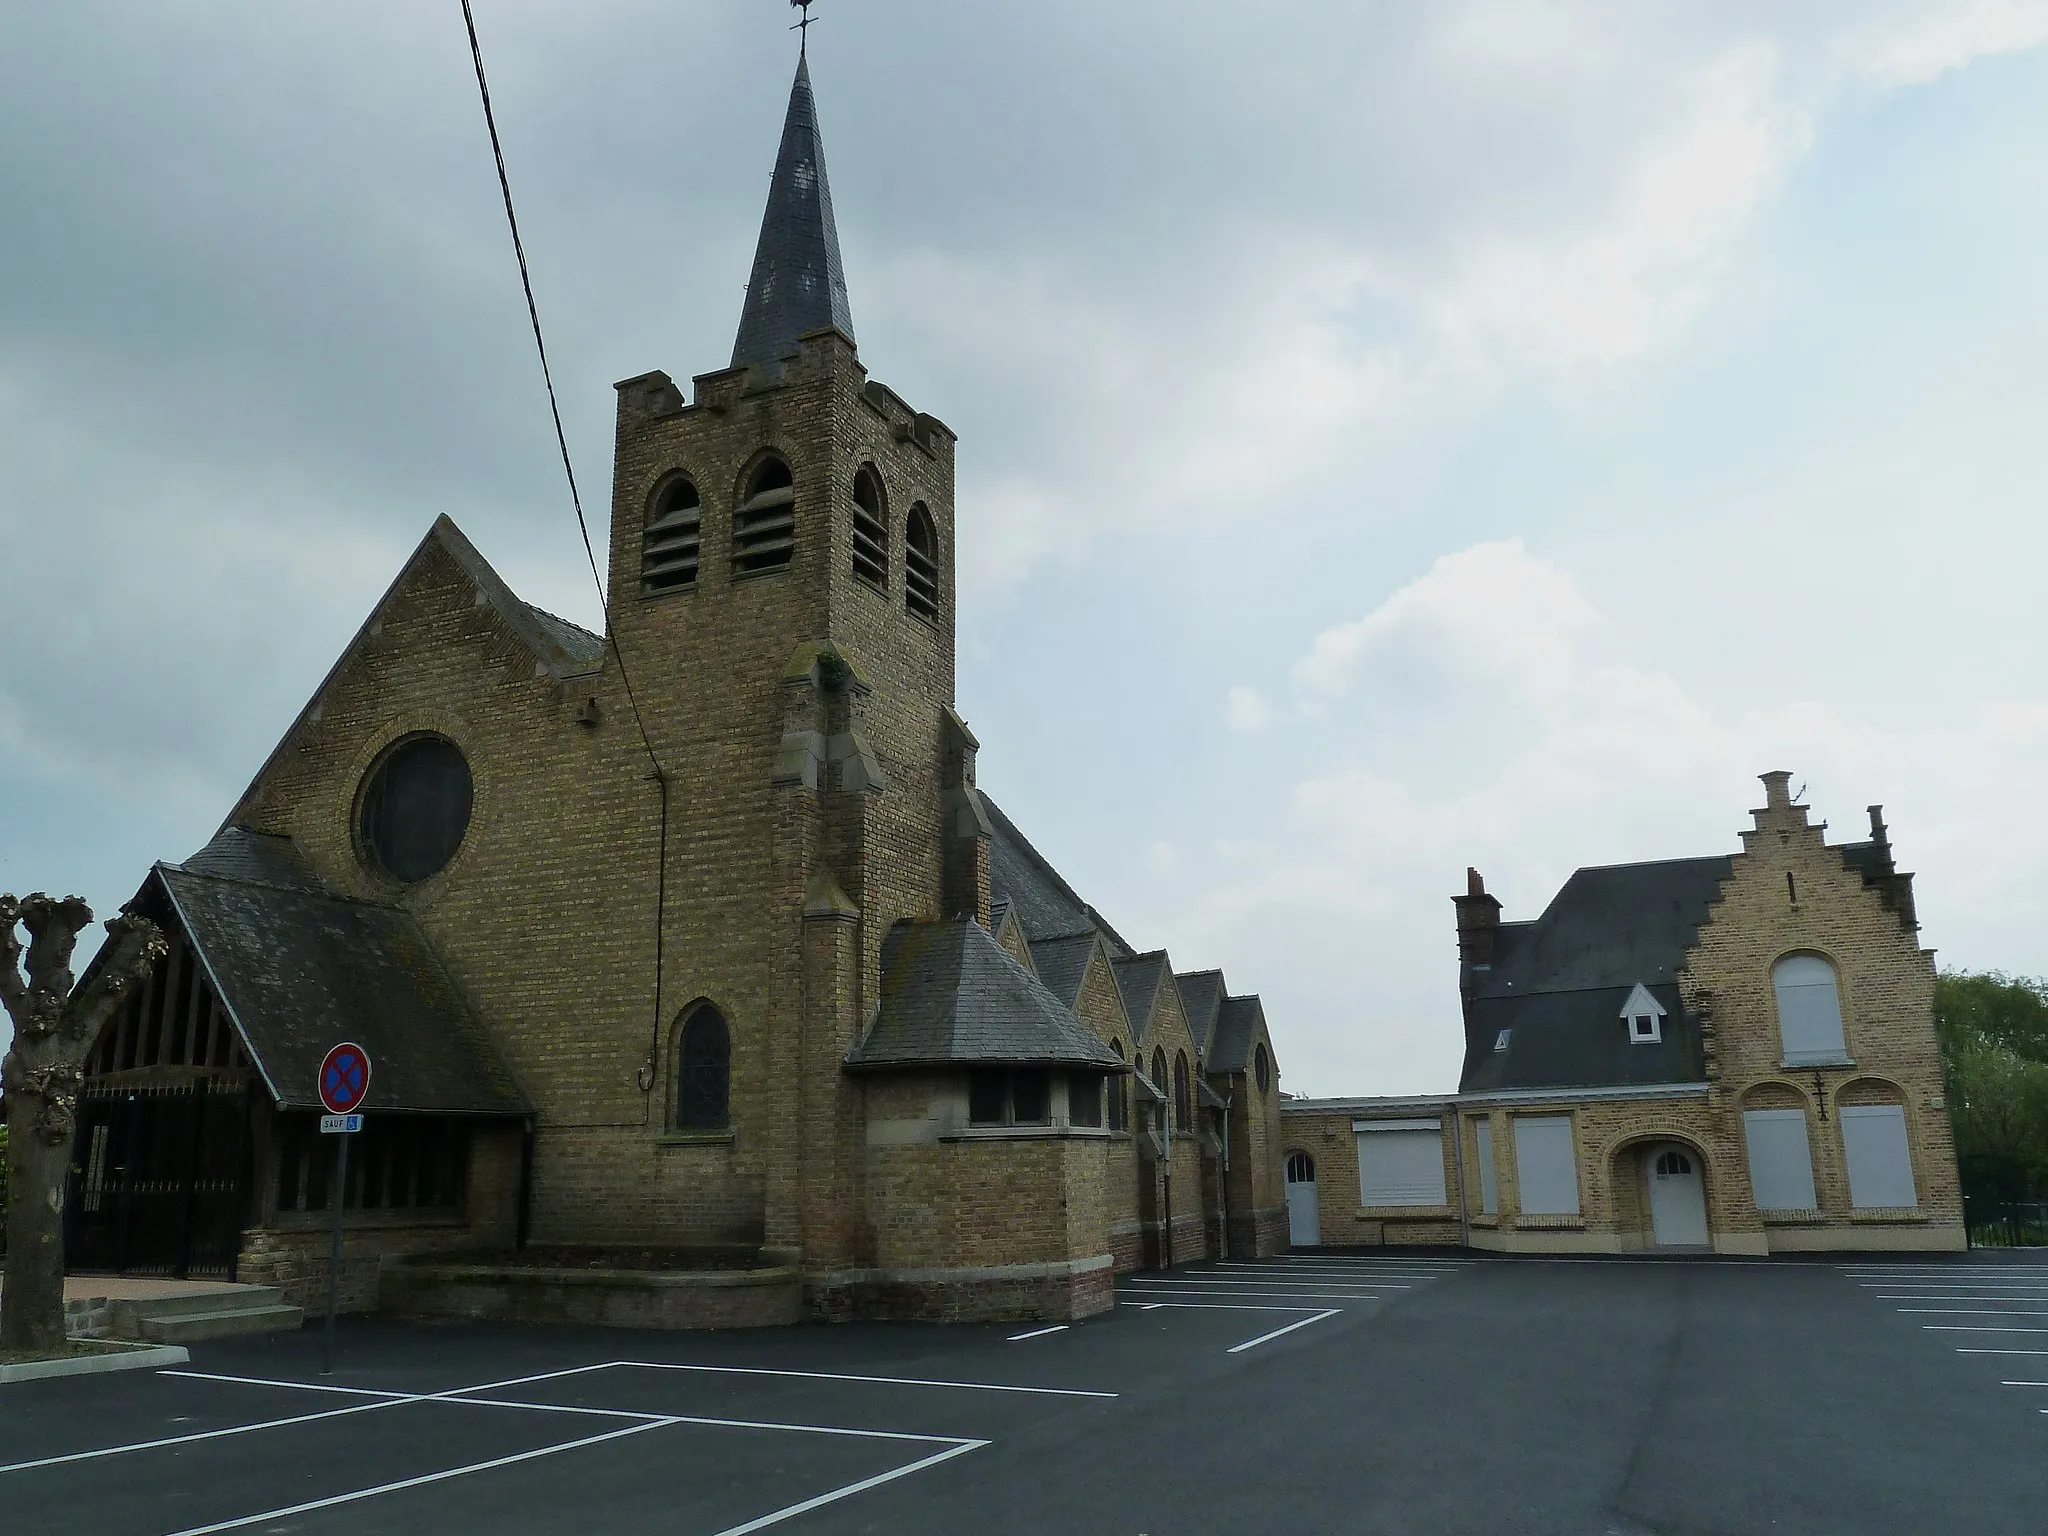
{"x": 344, "y": 1084}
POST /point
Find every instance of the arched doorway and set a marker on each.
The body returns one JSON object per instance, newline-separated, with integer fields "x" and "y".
{"x": 1678, "y": 1196}
{"x": 1304, "y": 1221}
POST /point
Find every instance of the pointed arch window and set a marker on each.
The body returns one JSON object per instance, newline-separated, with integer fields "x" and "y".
{"x": 1117, "y": 1089}
{"x": 1263, "y": 1069}
{"x": 670, "y": 547}
{"x": 704, "y": 1072}
{"x": 870, "y": 529}
{"x": 921, "y": 565}
{"x": 1159, "y": 1072}
{"x": 764, "y": 528}
{"x": 1183, "y": 1109}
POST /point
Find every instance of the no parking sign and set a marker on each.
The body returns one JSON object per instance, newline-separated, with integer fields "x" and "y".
{"x": 344, "y": 1083}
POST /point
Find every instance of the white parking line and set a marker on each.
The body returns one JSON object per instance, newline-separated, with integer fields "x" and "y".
{"x": 1971, "y": 1328}
{"x": 851, "y": 1489}
{"x": 1238, "y": 1349}
{"x": 1227, "y": 1286}
{"x": 1212, "y": 1306}
{"x": 1962, "y": 1351}
{"x": 1037, "y": 1333}
{"x": 886, "y": 1381}
{"x": 417, "y": 1482}
{"x": 380, "y": 1400}
{"x": 1225, "y": 1281}
{"x": 1963, "y": 1312}
{"x": 1316, "y": 1296}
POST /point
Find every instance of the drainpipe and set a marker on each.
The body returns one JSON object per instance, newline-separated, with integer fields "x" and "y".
{"x": 1458, "y": 1158}
{"x": 525, "y": 1182}
{"x": 1223, "y": 1183}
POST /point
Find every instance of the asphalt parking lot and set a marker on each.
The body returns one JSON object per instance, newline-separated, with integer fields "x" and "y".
{"x": 1320, "y": 1393}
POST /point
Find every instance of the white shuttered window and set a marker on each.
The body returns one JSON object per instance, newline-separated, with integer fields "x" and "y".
{"x": 1880, "y": 1166}
{"x": 1809, "y": 1010}
{"x": 1780, "y": 1161}
{"x": 1400, "y": 1162}
{"x": 1489, "y": 1185}
{"x": 1546, "y": 1166}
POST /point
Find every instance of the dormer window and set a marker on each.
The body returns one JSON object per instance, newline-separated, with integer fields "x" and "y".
{"x": 1645, "y": 1016}
{"x": 764, "y": 528}
{"x": 870, "y": 529}
{"x": 921, "y": 566}
{"x": 1500, "y": 1041}
{"x": 674, "y": 537}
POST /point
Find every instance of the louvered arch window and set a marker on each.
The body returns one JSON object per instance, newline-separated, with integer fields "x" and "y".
{"x": 1183, "y": 1108}
{"x": 764, "y": 527}
{"x": 669, "y": 549}
{"x": 921, "y": 565}
{"x": 870, "y": 529}
{"x": 704, "y": 1072}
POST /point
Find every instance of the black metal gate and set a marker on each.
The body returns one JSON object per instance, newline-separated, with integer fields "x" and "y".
{"x": 158, "y": 1174}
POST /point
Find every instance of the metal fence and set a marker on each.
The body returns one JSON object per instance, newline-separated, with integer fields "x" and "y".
{"x": 3, "y": 1191}
{"x": 2006, "y": 1223}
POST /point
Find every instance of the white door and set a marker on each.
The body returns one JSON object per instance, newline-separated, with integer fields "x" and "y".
{"x": 1304, "y": 1225}
{"x": 1678, "y": 1199}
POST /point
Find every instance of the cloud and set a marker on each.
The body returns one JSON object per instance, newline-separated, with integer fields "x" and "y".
{"x": 1638, "y": 275}
{"x": 1534, "y": 737}
{"x": 1933, "y": 40}
{"x": 1247, "y": 710}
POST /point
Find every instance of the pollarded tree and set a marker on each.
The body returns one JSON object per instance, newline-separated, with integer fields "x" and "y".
{"x": 55, "y": 1024}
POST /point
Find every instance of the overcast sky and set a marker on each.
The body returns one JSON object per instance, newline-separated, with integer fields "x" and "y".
{"x": 1393, "y": 437}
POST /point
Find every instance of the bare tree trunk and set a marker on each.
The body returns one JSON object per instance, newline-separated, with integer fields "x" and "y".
{"x": 32, "y": 1303}
{"x": 54, "y": 1028}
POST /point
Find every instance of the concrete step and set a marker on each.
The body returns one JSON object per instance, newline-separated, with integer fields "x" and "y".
{"x": 131, "y": 1312}
{"x": 191, "y": 1327}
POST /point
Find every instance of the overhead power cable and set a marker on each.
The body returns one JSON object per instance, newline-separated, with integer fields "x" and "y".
{"x": 611, "y": 631}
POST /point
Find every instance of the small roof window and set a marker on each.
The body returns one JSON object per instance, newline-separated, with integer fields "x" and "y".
{"x": 1500, "y": 1041}
{"x": 1645, "y": 1017}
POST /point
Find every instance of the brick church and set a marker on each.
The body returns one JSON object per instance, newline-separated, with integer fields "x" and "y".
{"x": 698, "y": 937}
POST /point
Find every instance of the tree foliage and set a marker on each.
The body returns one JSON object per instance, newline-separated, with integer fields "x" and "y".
{"x": 1993, "y": 1030}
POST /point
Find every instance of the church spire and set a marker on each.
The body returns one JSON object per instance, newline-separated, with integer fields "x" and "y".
{"x": 799, "y": 284}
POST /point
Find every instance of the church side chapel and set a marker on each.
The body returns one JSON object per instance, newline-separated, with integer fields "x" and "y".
{"x": 691, "y": 948}
{"x": 1734, "y": 1053}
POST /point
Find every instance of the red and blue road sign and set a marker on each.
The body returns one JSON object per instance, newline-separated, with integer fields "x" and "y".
{"x": 345, "y": 1078}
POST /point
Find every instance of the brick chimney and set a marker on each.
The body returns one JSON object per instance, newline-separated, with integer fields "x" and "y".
{"x": 1478, "y": 927}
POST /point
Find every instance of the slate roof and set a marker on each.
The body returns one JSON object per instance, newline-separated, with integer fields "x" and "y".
{"x": 1558, "y": 983}
{"x": 799, "y": 282}
{"x": 1138, "y": 978}
{"x": 952, "y": 995}
{"x": 1201, "y": 997}
{"x": 1019, "y": 874}
{"x": 301, "y": 969}
{"x": 1237, "y": 1030}
{"x": 1062, "y": 964}
{"x": 1577, "y": 1040}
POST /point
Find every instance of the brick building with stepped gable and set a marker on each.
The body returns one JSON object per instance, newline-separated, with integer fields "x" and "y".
{"x": 1733, "y": 1053}
{"x": 778, "y": 984}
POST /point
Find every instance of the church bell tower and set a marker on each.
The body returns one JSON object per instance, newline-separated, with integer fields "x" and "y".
{"x": 782, "y": 580}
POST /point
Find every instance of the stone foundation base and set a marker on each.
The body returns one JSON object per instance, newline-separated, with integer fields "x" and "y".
{"x": 1009, "y": 1293}
{"x": 609, "y": 1298}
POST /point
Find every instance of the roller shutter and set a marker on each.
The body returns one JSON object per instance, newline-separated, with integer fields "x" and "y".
{"x": 1546, "y": 1166}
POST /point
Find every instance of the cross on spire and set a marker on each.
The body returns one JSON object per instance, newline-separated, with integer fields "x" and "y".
{"x": 803, "y": 28}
